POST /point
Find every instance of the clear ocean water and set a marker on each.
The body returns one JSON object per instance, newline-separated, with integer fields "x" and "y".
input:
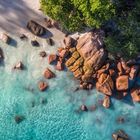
{"x": 57, "y": 118}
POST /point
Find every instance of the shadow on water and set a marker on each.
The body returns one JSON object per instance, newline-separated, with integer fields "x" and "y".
{"x": 12, "y": 42}
{"x": 1, "y": 57}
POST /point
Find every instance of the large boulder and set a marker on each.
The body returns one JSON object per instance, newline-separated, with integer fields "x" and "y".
{"x": 122, "y": 83}
{"x": 135, "y": 94}
{"x": 90, "y": 47}
{"x": 105, "y": 84}
{"x": 36, "y": 28}
{"x": 88, "y": 55}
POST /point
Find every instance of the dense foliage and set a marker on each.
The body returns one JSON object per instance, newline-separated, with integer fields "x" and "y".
{"x": 119, "y": 18}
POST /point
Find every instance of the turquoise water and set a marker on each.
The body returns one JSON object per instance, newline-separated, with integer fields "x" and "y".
{"x": 58, "y": 118}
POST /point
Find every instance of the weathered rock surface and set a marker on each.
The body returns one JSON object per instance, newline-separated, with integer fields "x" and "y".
{"x": 122, "y": 83}
{"x": 36, "y": 28}
{"x": 135, "y": 94}
{"x": 48, "y": 74}
{"x": 105, "y": 84}
{"x": 88, "y": 55}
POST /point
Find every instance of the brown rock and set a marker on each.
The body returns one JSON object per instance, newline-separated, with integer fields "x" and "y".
{"x": 63, "y": 53}
{"x": 122, "y": 83}
{"x": 43, "y": 54}
{"x": 36, "y": 28}
{"x": 69, "y": 41}
{"x": 84, "y": 108}
{"x": 59, "y": 66}
{"x": 19, "y": 66}
{"x": 42, "y": 85}
{"x": 106, "y": 102}
{"x": 5, "y": 38}
{"x": 105, "y": 84}
{"x": 48, "y": 74}
{"x": 134, "y": 71}
{"x": 52, "y": 58}
{"x": 48, "y": 23}
{"x": 135, "y": 94}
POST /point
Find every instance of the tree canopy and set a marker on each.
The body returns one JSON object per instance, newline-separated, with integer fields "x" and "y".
{"x": 119, "y": 18}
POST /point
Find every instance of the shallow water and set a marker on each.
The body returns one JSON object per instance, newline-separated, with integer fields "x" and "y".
{"x": 57, "y": 118}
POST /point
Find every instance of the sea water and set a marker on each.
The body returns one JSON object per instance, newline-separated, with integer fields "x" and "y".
{"x": 57, "y": 118}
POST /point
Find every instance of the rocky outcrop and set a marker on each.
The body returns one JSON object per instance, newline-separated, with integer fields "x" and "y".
{"x": 48, "y": 74}
{"x": 135, "y": 94}
{"x": 88, "y": 55}
{"x": 36, "y": 28}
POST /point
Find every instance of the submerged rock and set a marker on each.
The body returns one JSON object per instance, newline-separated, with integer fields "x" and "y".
{"x": 43, "y": 54}
{"x": 120, "y": 135}
{"x": 84, "y": 108}
{"x": 36, "y": 28}
{"x": 48, "y": 74}
{"x": 35, "y": 43}
{"x": 19, "y": 119}
{"x": 5, "y": 38}
{"x": 42, "y": 85}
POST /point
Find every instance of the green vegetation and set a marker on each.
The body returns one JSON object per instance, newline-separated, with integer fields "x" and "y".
{"x": 119, "y": 18}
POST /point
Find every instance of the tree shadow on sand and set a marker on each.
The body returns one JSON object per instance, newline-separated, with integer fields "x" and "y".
{"x": 15, "y": 14}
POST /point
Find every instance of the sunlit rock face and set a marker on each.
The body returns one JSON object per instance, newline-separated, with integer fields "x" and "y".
{"x": 88, "y": 55}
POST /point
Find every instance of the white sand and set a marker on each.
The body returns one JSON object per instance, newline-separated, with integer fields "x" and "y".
{"x": 14, "y": 15}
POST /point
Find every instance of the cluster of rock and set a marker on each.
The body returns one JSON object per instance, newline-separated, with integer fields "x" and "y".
{"x": 89, "y": 62}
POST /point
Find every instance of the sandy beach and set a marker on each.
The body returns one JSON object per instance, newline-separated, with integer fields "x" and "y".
{"x": 14, "y": 15}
